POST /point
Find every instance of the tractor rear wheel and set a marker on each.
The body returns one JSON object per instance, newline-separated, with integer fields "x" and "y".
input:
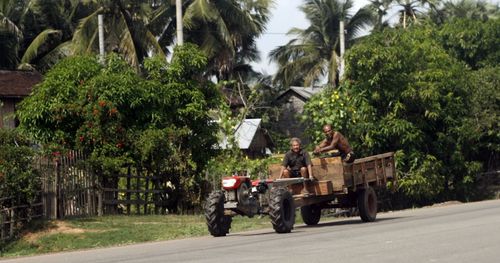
{"x": 310, "y": 214}
{"x": 281, "y": 210}
{"x": 367, "y": 204}
{"x": 218, "y": 223}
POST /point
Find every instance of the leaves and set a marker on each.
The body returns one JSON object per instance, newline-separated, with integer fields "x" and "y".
{"x": 406, "y": 94}
{"x": 19, "y": 182}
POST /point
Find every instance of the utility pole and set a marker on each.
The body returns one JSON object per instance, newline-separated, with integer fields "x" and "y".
{"x": 100, "y": 26}
{"x": 342, "y": 49}
{"x": 178, "y": 16}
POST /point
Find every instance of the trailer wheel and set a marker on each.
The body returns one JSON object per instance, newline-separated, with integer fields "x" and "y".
{"x": 310, "y": 214}
{"x": 218, "y": 223}
{"x": 367, "y": 204}
{"x": 281, "y": 210}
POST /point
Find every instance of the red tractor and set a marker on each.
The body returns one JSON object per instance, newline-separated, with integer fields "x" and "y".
{"x": 338, "y": 186}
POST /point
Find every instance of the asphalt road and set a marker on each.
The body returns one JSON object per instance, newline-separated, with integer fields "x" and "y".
{"x": 449, "y": 233}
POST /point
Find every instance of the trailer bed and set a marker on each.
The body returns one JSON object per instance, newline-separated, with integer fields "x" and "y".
{"x": 335, "y": 177}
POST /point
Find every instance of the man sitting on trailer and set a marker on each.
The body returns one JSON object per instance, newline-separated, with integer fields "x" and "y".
{"x": 335, "y": 141}
{"x": 297, "y": 163}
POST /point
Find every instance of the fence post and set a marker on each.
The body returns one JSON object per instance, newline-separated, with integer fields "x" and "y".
{"x": 54, "y": 193}
{"x": 12, "y": 222}
{"x": 99, "y": 202}
{"x": 2, "y": 225}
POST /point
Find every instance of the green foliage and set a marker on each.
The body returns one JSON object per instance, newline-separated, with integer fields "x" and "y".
{"x": 231, "y": 161}
{"x": 405, "y": 94}
{"x": 53, "y": 114}
{"x": 475, "y": 42}
{"x": 481, "y": 127}
{"x": 159, "y": 122}
{"x": 18, "y": 180}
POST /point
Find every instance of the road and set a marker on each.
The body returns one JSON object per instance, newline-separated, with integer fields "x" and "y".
{"x": 450, "y": 233}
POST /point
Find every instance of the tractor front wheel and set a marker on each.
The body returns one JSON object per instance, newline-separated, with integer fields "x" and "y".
{"x": 218, "y": 223}
{"x": 281, "y": 210}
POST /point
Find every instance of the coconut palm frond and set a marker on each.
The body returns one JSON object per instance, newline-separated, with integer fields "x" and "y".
{"x": 84, "y": 34}
{"x": 313, "y": 54}
{"x": 36, "y": 47}
{"x": 200, "y": 9}
{"x": 153, "y": 43}
{"x": 9, "y": 46}
{"x": 9, "y": 26}
{"x": 164, "y": 15}
{"x": 127, "y": 47}
{"x": 55, "y": 55}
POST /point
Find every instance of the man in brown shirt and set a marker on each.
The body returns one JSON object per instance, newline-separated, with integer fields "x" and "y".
{"x": 335, "y": 141}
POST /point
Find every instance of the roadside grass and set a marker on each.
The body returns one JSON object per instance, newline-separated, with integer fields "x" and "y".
{"x": 86, "y": 233}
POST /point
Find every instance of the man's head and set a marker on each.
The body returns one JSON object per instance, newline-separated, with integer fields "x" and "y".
{"x": 295, "y": 144}
{"x": 327, "y": 130}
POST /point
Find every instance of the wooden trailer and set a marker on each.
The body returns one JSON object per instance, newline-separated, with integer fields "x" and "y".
{"x": 341, "y": 185}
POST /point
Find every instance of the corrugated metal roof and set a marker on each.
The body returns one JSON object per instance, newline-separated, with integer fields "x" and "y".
{"x": 304, "y": 92}
{"x": 244, "y": 133}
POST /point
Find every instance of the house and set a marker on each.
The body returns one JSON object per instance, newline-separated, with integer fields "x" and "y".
{"x": 291, "y": 103}
{"x": 14, "y": 86}
{"x": 252, "y": 139}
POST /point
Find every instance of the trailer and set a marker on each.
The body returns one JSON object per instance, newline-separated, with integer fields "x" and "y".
{"x": 337, "y": 185}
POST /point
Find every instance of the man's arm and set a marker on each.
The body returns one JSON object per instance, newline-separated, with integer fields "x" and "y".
{"x": 332, "y": 145}
{"x": 319, "y": 147}
{"x": 281, "y": 172}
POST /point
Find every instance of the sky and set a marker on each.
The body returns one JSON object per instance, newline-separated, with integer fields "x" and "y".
{"x": 285, "y": 15}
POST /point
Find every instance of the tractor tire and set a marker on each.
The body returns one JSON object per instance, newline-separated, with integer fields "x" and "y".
{"x": 281, "y": 210}
{"x": 367, "y": 204}
{"x": 218, "y": 223}
{"x": 310, "y": 214}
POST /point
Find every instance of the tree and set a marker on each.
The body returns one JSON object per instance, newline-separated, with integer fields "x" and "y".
{"x": 481, "y": 125}
{"x": 472, "y": 41}
{"x": 405, "y": 94}
{"x": 159, "y": 122}
{"x": 35, "y": 32}
{"x": 380, "y": 9}
{"x": 126, "y": 30}
{"x": 464, "y": 9}
{"x": 10, "y": 34}
{"x": 314, "y": 53}
{"x": 19, "y": 182}
{"x": 226, "y": 31}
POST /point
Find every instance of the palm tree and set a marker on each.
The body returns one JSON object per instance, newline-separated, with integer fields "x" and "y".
{"x": 10, "y": 34}
{"x": 313, "y": 54}
{"x": 380, "y": 10}
{"x": 32, "y": 32}
{"x": 413, "y": 11}
{"x": 470, "y": 9}
{"x": 226, "y": 31}
{"x": 125, "y": 26}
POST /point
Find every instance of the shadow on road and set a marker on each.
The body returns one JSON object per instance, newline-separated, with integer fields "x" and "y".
{"x": 353, "y": 221}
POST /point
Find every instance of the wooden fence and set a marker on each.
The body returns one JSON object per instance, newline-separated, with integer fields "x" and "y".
{"x": 69, "y": 188}
{"x": 15, "y": 217}
{"x": 136, "y": 193}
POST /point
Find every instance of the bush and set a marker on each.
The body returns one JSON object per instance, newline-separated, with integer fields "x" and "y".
{"x": 19, "y": 182}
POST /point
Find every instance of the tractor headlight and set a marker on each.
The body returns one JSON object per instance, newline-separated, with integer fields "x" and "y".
{"x": 229, "y": 182}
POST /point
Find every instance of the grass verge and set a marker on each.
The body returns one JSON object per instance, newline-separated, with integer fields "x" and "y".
{"x": 84, "y": 233}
